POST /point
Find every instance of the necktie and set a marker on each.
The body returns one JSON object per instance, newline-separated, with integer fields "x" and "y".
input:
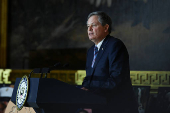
{"x": 95, "y": 55}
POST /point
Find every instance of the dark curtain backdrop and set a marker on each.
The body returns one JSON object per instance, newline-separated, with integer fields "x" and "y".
{"x": 36, "y": 27}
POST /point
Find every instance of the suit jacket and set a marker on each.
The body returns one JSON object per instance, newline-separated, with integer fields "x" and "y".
{"x": 110, "y": 75}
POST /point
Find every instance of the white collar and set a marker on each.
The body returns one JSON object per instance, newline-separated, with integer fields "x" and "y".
{"x": 99, "y": 44}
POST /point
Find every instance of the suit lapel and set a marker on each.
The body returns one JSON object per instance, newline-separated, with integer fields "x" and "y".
{"x": 102, "y": 49}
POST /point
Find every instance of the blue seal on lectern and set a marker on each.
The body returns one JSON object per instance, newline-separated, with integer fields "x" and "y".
{"x": 22, "y": 92}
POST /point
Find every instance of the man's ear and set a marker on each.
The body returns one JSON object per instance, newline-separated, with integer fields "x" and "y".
{"x": 106, "y": 27}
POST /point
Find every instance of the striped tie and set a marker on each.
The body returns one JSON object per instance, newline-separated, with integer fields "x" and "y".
{"x": 95, "y": 55}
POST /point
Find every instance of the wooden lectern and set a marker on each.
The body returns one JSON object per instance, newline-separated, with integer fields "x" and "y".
{"x": 47, "y": 95}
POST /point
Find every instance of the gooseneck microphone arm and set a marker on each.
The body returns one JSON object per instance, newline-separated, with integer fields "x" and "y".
{"x": 47, "y": 70}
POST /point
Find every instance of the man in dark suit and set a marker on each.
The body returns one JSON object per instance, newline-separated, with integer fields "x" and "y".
{"x": 107, "y": 67}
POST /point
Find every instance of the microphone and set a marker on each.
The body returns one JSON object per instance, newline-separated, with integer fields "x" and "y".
{"x": 65, "y": 65}
{"x": 57, "y": 64}
{"x": 47, "y": 70}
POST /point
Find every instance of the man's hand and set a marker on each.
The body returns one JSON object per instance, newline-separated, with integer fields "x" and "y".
{"x": 83, "y": 88}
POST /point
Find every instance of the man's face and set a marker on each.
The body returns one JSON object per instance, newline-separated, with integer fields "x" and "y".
{"x": 96, "y": 31}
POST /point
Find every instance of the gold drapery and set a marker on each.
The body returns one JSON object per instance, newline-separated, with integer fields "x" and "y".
{"x": 3, "y": 33}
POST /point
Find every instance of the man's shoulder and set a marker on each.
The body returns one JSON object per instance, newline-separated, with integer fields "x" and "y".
{"x": 114, "y": 40}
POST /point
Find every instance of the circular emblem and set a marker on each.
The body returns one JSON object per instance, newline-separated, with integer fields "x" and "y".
{"x": 22, "y": 92}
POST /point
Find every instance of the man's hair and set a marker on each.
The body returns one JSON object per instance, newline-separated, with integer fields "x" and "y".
{"x": 103, "y": 18}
